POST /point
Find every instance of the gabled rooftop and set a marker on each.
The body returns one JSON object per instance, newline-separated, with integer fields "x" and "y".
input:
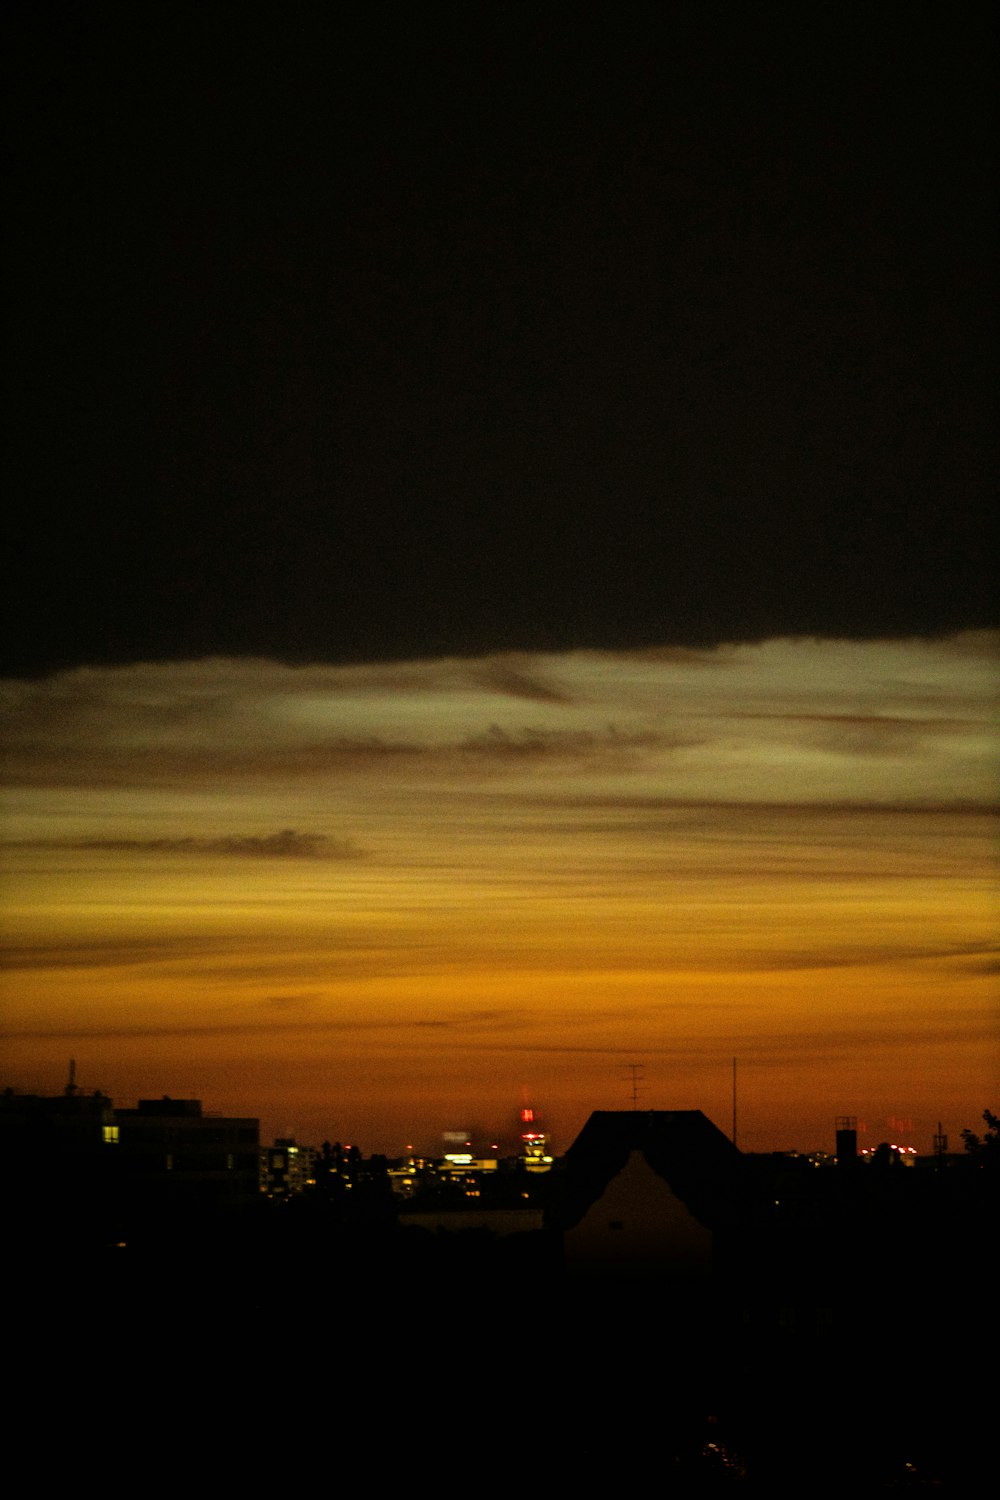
{"x": 699, "y": 1164}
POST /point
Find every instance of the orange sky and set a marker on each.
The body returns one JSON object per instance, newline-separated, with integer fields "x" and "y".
{"x": 376, "y": 902}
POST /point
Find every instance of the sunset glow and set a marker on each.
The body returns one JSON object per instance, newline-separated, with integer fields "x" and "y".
{"x": 376, "y": 902}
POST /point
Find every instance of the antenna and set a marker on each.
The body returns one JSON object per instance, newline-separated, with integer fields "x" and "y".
{"x": 734, "y": 1101}
{"x": 636, "y": 1070}
{"x": 70, "y": 1088}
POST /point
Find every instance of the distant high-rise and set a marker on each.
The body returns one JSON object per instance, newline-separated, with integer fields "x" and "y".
{"x": 535, "y": 1155}
{"x": 847, "y": 1140}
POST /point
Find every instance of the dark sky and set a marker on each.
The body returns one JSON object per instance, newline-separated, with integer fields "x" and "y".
{"x": 341, "y": 333}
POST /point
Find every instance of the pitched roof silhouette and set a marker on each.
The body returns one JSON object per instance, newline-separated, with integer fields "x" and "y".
{"x": 682, "y": 1146}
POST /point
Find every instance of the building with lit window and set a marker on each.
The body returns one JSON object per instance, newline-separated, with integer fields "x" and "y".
{"x": 286, "y": 1168}
{"x": 60, "y": 1166}
{"x": 174, "y": 1157}
{"x": 535, "y": 1153}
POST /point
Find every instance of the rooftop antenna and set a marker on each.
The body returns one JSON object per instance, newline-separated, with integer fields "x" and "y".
{"x": 636, "y": 1070}
{"x": 734, "y": 1101}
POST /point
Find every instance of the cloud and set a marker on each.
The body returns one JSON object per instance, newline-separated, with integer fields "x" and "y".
{"x": 119, "y": 953}
{"x": 512, "y": 677}
{"x": 772, "y": 812}
{"x": 981, "y": 645}
{"x": 548, "y": 744}
{"x": 288, "y": 844}
{"x": 772, "y": 719}
{"x": 871, "y": 1038}
{"x": 679, "y": 656}
{"x": 224, "y": 1029}
{"x": 864, "y": 955}
{"x": 874, "y": 734}
{"x": 459, "y": 1025}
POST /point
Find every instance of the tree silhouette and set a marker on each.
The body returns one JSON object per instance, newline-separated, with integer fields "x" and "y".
{"x": 985, "y": 1148}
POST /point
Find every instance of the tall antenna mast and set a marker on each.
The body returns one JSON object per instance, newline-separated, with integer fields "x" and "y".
{"x": 734, "y": 1101}
{"x": 70, "y": 1088}
{"x": 636, "y": 1070}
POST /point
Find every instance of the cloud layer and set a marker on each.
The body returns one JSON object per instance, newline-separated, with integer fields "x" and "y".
{"x": 653, "y": 850}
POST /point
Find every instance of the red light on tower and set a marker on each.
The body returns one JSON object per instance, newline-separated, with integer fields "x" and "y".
{"x": 534, "y": 1154}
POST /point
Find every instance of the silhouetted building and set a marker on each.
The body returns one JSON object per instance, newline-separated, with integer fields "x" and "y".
{"x": 59, "y": 1162}
{"x": 174, "y": 1157}
{"x": 645, "y": 1192}
{"x": 847, "y": 1140}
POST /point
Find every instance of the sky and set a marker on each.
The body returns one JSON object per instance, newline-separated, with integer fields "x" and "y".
{"x": 500, "y": 579}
